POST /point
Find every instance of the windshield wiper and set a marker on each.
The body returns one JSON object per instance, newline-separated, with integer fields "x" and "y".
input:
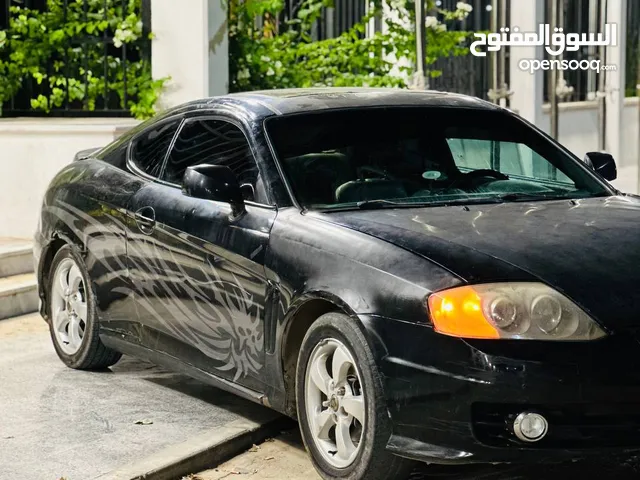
{"x": 516, "y": 196}
{"x": 502, "y": 198}
{"x": 380, "y": 203}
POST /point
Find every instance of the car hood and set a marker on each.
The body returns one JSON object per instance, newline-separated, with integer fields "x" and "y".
{"x": 588, "y": 249}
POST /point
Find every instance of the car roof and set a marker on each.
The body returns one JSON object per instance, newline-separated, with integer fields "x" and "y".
{"x": 297, "y": 100}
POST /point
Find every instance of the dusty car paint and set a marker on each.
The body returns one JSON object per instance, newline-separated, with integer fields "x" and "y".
{"x": 219, "y": 297}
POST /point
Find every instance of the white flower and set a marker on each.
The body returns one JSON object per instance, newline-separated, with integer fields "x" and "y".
{"x": 264, "y": 58}
{"x": 248, "y": 57}
{"x": 243, "y": 74}
{"x": 270, "y": 72}
{"x": 119, "y": 38}
{"x": 431, "y": 22}
{"x": 465, "y": 7}
{"x": 278, "y": 64}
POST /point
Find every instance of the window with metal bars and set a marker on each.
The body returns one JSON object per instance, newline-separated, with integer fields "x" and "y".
{"x": 584, "y": 16}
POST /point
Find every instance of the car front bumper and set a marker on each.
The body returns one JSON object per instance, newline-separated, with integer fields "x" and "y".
{"x": 454, "y": 401}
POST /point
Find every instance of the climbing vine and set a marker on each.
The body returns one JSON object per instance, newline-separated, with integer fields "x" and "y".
{"x": 84, "y": 56}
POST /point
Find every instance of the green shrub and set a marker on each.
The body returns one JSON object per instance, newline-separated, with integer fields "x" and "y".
{"x": 280, "y": 56}
{"x": 63, "y": 52}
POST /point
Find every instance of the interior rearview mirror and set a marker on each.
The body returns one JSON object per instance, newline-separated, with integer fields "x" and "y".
{"x": 603, "y": 163}
{"x": 214, "y": 182}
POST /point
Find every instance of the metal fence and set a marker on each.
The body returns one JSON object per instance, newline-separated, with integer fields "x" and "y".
{"x": 333, "y": 21}
{"x": 468, "y": 75}
{"x": 78, "y": 59}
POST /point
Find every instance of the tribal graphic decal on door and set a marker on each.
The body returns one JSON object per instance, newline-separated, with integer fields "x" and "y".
{"x": 216, "y": 315}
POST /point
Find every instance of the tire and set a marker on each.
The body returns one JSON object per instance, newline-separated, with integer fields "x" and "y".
{"x": 361, "y": 393}
{"x": 82, "y": 350}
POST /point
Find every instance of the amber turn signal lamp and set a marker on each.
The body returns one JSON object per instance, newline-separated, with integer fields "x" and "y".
{"x": 458, "y": 312}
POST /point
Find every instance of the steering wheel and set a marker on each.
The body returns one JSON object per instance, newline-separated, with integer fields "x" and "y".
{"x": 378, "y": 171}
{"x": 483, "y": 172}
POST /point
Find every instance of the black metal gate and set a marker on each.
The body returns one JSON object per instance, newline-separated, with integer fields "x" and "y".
{"x": 333, "y": 21}
{"x": 468, "y": 74}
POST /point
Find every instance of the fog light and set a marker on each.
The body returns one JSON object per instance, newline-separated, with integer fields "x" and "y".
{"x": 530, "y": 427}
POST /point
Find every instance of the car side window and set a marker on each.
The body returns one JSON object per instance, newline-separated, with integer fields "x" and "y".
{"x": 150, "y": 147}
{"x": 215, "y": 142}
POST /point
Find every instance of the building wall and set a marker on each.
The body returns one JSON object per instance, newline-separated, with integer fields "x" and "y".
{"x": 578, "y": 125}
{"x": 190, "y": 46}
{"x": 32, "y": 151}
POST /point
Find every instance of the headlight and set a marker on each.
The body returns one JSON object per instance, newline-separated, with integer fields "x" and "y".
{"x": 524, "y": 311}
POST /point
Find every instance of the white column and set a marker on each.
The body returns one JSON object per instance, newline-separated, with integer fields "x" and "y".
{"x": 218, "y": 48}
{"x": 615, "y": 80}
{"x": 190, "y": 45}
{"x": 527, "y": 88}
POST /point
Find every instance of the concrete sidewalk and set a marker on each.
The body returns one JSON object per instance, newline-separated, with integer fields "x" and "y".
{"x": 132, "y": 418}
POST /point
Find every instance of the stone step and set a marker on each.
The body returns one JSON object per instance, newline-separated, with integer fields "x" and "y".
{"x": 16, "y": 257}
{"x": 18, "y": 295}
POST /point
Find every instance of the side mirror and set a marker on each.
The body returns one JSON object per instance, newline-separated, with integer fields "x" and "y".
{"x": 214, "y": 182}
{"x": 603, "y": 163}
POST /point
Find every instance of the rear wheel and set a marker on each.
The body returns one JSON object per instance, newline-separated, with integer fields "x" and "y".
{"x": 73, "y": 323}
{"x": 341, "y": 407}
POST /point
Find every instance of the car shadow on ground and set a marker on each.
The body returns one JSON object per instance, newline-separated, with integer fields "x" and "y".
{"x": 186, "y": 385}
{"x": 609, "y": 468}
{"x": 618, "y": 469}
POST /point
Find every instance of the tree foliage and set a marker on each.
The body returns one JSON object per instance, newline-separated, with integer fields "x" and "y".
{"x": 62, "y": 51}
{"x": 268, "y": 54}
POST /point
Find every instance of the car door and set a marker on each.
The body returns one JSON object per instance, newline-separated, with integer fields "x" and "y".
{"x": 203, "y": 284}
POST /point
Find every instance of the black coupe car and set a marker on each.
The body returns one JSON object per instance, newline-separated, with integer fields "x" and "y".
{"x": 412, "y": 275}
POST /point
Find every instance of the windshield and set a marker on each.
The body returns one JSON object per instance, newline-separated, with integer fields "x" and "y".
{"x": 407, "y": 156}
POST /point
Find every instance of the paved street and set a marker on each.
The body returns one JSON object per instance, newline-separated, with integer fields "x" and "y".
{"x": 57, "y": 422}
{"x": 285, "y": 457}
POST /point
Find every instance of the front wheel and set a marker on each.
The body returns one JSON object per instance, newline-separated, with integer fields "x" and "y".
{"x": 72, "y": 311}
{"x": 341, "y": 407}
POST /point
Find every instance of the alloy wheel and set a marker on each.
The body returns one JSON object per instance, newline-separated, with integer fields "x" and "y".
{"x": 68, "y": 306}
{"x": 335, "y": 403}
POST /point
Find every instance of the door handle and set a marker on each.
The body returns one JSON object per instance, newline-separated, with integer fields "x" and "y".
{"x": 145, "y": 219}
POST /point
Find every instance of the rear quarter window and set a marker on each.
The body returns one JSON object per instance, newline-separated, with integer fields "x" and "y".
{"x": 150, "y": 147}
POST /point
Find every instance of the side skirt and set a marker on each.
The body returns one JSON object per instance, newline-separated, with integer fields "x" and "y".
{"x": 172, "y": 363}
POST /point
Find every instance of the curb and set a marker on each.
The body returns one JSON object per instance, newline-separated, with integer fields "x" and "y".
{"x": 202, "y": 452}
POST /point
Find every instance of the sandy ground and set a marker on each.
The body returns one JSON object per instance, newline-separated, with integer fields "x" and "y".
{"x": 22, "y": 325}
{"x": 280, "y": 458}
{"x": 284, "y": 458}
